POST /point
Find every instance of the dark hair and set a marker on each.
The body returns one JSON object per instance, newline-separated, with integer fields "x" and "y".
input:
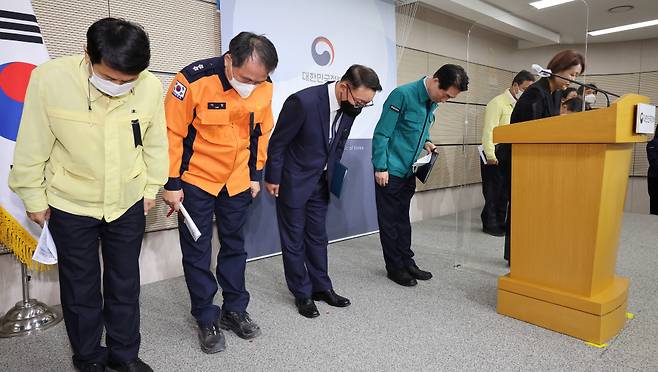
{"x": 565, "y": 59}
{"x": 522, "y": 77}
{"x": 245, "y": 44}
{"x": 452, "y": 76}
{"x": 574, "y": 104}
{"x": 566, "y": 92}
{"x": 362, "y": 76}
{"x": 581, "y": 89}
{"x": 124, "y": 46}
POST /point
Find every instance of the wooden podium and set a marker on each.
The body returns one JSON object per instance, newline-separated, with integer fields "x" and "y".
{"x": 569, "y": 180}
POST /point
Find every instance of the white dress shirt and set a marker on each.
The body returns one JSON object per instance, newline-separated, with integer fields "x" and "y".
{"x": 334, "y": 106}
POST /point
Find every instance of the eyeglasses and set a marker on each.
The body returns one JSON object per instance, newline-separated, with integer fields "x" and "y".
{"x": 357, "y": 102}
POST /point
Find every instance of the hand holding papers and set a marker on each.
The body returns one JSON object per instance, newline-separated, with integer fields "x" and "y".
{"x": 46, "y": 252}
{"x": 423, "y": 166}
{"x": 191, "y": 226}
{"x": 424, "y": 160}
{"x": 482, "y": 156}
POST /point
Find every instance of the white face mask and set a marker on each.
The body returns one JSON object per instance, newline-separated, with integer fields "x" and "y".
{"x": 243, "y": 89}
{"x": 590, "y": 98}
{"x": 110, "y": 88}
{"x": 519, "y": 93}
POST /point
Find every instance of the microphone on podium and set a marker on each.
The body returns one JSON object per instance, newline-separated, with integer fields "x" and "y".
{"x": 544, "y": 72}
{"x": 541, "y": 71}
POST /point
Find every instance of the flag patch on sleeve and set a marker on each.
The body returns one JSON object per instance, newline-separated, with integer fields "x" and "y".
{"x": 179, "y": 90}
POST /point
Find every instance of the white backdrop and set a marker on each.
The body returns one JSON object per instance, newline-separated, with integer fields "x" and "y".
{"x": 316, "y": 42}
{"x": 360, "y": 32}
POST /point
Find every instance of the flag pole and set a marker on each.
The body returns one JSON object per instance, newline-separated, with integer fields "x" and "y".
{"x": 29, "y": 315}
{"x": 20, "y": 53}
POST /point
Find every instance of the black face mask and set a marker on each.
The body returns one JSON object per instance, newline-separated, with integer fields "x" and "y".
{"x": 349, "y": 109}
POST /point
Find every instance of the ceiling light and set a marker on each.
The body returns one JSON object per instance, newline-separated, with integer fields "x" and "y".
{"x": 548, "y": 3}
{"x": 621, "y": 9}
{"x": 631, "y": 26}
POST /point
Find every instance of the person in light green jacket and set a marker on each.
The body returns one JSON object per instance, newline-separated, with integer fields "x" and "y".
{"x": 90, "y": 157}
{"x": 400, "y": 136}
{"x": 494, "y": 188}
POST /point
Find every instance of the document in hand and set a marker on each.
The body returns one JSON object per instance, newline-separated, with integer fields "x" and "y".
{"x": 46, "y": 252}
{"x": 482, "y": 156}
{"x": 337, "y": 179}
{"x": 191, "y": 226}
{"x": 423, "y": 167}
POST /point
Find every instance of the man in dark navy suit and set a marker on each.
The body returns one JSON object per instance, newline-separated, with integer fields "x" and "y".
{"x": 303, "y": 157}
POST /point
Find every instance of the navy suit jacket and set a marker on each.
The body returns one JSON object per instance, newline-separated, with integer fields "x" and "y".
{"x": 300, "y": 148}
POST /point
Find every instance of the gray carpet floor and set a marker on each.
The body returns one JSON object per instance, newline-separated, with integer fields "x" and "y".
{"x": 446, "y": 324}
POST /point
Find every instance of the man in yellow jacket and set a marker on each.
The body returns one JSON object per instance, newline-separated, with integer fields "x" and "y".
{"x": 91, "y": 155}
{"x": 494, "y": 187}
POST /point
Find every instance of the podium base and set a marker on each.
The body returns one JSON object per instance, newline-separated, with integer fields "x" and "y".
{"x": 28, "y": 317}
{"x": 593, "y": 319}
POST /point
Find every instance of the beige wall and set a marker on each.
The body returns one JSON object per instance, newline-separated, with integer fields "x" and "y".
{"x": 444, "y": 35}
{"x": 436, "y": 38}
{"x": 602, "y": 58}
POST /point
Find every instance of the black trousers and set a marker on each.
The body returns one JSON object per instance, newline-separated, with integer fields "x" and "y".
{"x": 504, "y": 155}
{"x": 303, "y": 234}
{"x": 496, "y": 195}
{"x": 231, "y": 215}
{"x": 393, "y": 202}
{"x": 85, "y": 309}
{"x": 653, "y": 195}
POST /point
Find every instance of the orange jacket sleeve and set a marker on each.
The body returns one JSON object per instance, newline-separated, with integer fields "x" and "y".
{"x": 179, "y": 111}
{"x": 268, "y": 125}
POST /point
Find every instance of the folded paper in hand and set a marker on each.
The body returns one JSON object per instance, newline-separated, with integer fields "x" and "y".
{"x": 482, "y": 155}
{"x": 424, "y": 160}
{"x": 46, "y": 252}
{"x": 423, "y": 166}
{"x": 191, "y": 226}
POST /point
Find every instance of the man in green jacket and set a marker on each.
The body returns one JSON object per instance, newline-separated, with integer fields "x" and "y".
{"x": 399, "y": 138}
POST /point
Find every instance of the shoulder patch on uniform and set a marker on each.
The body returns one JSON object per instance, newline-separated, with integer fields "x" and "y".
{"x": 179, "y": 90}
{"x": 394, "y": 108}
{"x": 199, "y": 69}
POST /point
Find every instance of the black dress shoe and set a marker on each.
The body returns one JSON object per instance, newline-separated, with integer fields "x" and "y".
{"x": 332, "y": 298}
{"x": 240, "y": 323}
{"x": 136, "y": 365}
{"x": 493, "y": 231}
{"x": 402, "y": 277}
{"x": 418, "y": 273}
{"x": 91, "y": 367}
{"x": 307, "y": 308}
{"x": 211, "y": 338}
